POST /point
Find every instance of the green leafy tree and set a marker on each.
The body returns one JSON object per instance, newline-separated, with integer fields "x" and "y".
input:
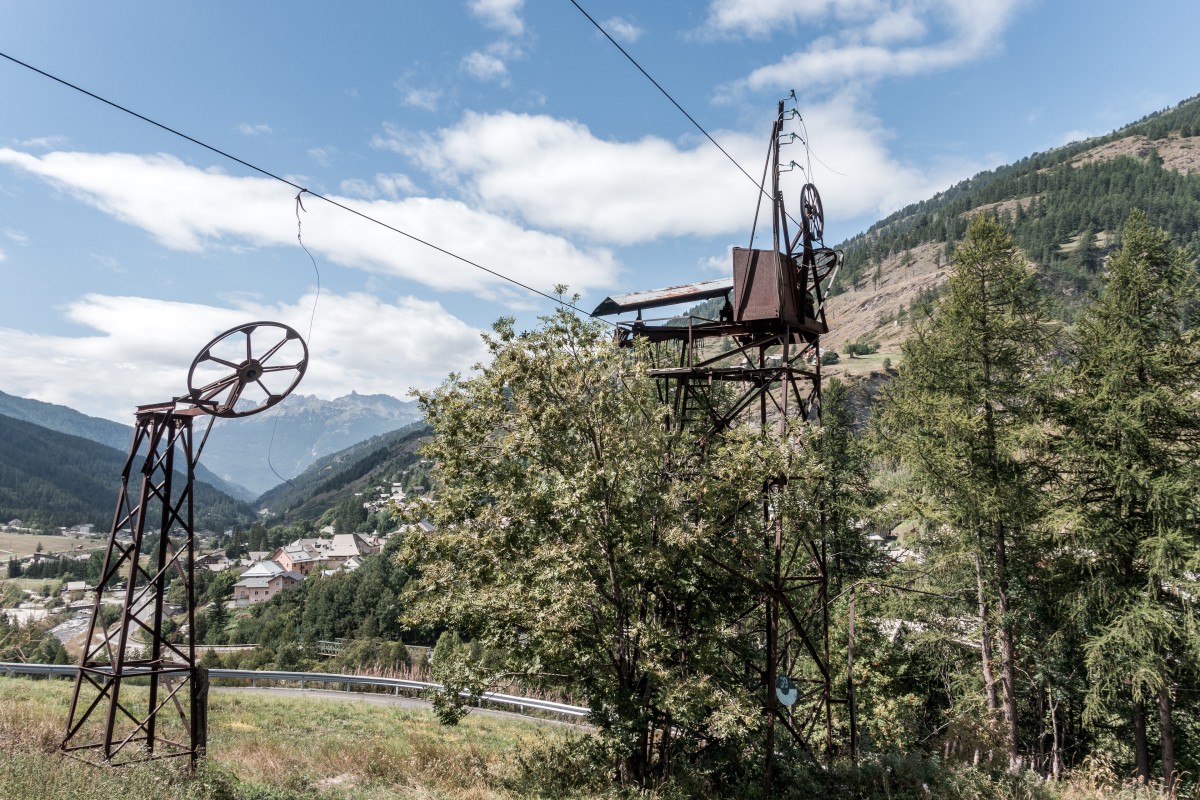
{"x": 219, "y": 586}
{"x": 583, "y": 542}
{"x": 961, "y": 419}
{"x": 1130, "y": 423}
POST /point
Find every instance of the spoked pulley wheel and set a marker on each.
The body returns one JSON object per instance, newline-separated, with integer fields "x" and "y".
{"x": 253, "y": 366}
{"x": 812, "y": 213}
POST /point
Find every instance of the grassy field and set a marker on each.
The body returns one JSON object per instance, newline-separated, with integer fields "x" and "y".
{"x": 267, "y": 747}
{"x": 24, "y": 544}
{"x": 859, "y": 365}
{"x": 32, "y": 584}
{"x": 272, "y": 748}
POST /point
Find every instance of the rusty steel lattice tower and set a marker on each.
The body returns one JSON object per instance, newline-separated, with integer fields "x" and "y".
{"x": 757, "y": 361}
{"x": 139, "y": 692}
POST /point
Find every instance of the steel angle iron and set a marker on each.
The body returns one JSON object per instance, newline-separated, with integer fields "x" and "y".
{"x": 757, "y": 362}
{"x": 139, "y": 692}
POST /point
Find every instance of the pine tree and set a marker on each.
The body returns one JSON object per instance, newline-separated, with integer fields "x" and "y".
{"x": 1130, "y": 421}
{"x": 960, "y": 418}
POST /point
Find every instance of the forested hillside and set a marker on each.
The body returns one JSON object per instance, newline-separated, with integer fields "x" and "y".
{"x": 1012, "y": 541}
{"x": 1064, "y": 207}
{"x": 360, "y": 468}
{"x": 53, "y": 479}
{"x": 102, "y": 431}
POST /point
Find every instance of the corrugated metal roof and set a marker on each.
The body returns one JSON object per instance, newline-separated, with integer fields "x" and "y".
{"x": 672, "y": 295}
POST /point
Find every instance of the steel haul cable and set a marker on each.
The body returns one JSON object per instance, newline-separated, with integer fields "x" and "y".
{"x": 302, "y": 190}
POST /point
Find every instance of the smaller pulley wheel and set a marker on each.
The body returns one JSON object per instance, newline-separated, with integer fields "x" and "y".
{"x": 247, "y": 369}
{"x": 825, "y": 261}
{"x": 812, "y": 213}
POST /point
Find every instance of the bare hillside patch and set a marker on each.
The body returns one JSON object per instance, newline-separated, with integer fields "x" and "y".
{"x": 1178, "y": 153}
{"x": 873, "y": 311}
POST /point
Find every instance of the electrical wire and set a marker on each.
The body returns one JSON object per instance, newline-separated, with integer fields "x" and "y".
{"x": 674, "y": 102}
{"x": 301, "y": 189}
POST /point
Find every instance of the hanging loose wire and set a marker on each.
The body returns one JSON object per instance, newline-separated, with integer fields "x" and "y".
{"x": 311, "y": 319}
{"x": 299, "y": 238}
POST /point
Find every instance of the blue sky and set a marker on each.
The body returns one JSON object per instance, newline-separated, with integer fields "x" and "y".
{"x": 506, "y": 131}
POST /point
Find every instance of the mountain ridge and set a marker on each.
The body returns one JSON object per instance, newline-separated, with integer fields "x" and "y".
{"x": 247, "y": 456}
{"x": 66, "y": 420}
{"x": 55, "y": 479}
{"x": 262, "y": 450}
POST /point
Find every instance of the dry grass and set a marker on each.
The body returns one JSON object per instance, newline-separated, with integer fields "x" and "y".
{"x": 25, "y": 544}
{"x": 272, "y": 747}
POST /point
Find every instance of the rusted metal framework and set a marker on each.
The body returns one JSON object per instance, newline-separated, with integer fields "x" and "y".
{"x": 757, "y": 361}
{"x": 163, "y": 673}
{"x": 139, "y": 691}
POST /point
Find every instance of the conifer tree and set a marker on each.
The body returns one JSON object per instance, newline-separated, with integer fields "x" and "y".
{"x": 1130, "y": 439}
{"x": 960, "y": 418}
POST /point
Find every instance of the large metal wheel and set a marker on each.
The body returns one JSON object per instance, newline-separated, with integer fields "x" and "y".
{"x": 812, "y": 213}
{"x": 255, "y": 365}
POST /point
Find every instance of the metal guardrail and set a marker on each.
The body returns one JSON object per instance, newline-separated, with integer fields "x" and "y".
{"x": 269, "y": 676}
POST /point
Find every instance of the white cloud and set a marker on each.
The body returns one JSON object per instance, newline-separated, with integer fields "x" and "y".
{"x": 485, "y": 67}
{"x": 108, "y": 262}
{"x": 502, "y": 15}
{"x": 3, "y": 256}
{"x": 395, "y": 139}
{"x": 622, "y": 29}
{"x": 16, "y": 236}
{"x": 760, "y": 17}
{"x": 191, "y": 209}
{"x": 849, "y": 141}
{"x": 719, "y": 264}
{"x": 406, "y": 343}
{"x": 395, "y": 184}
{"x": 322, "y": 155}
{"x": 261, "y": 129}
{"x": 492, "y": 64}
{"x": 422, "y": 98}
{"x": 414, "y": 96}
{"x": 897, "y": 25}
{"x": 865, "y": 39}
{"x": 391, "y": 185}
{"x": 1072, "y": 136}
{"x": 556, "y": 174}
{"x": 43, "y": 142}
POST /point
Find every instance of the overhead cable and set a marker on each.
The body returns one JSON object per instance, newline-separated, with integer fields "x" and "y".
{"x": 301, "y": 189}
{"x": 675, "y": 103}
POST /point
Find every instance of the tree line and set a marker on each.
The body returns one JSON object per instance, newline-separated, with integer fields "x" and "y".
{"x": 1037, "y": 482}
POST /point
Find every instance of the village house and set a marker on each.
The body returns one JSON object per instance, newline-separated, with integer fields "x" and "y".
{"x": 298, "y": 556}
{"x": 348, "y": 545}
{"x": 262, "y": 582}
